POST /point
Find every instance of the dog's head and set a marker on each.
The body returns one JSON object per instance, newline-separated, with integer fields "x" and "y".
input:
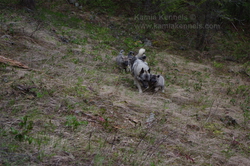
{"x": 125, "y": 63}
{"x": 154, "y": 78}
{"x": 121, "y": 52}
{"x": 125, "y": 60}
{"x": 131, "y": 54}
{"x": 144, "y": 77}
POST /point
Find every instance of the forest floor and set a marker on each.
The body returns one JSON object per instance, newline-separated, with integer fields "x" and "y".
{"x": 73, "y": 106}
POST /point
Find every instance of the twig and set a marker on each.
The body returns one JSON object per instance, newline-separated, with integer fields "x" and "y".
{"x": 37, "y": 28}
{"x": 90, "y": 135}
{"x": 28, "y": 38}
{"x": 210, "y": 113}
{"x": 234, "y": 26}
{"x": 141, "y": 140}
{"x": 149, "y": 155}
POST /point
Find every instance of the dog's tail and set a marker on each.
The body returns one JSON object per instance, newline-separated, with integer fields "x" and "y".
{"x": 141, "y": 51}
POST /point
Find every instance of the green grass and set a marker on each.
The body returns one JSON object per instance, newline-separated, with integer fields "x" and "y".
{"x": 73, "y": 123}
{"x": 58, "y": 19}
{"x": 218, "y": 65}
{"x": 6, "y": 2}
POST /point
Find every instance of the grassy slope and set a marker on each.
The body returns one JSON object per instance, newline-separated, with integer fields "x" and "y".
{"x": 81, "y": 110}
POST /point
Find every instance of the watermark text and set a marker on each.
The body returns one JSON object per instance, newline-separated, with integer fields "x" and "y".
{"x": 177, "y": 26}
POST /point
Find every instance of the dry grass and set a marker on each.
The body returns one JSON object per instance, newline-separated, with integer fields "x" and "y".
{"x": 84, "y": 111}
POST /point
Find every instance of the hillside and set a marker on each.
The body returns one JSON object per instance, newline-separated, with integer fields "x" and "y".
{"x": 73, "y": 106}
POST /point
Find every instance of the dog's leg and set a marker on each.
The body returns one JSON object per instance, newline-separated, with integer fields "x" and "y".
{"x": 156, "y": 89}
{"x": 138, "y": 85}
{"x": 162, "y": 89}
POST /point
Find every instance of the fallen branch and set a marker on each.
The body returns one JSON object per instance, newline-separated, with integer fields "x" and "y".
{"x": 12, "y": 62}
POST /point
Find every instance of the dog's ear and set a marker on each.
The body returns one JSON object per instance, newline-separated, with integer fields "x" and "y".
{"x": 149, "y": 70}
{"x": 142, "y": 71}
{"x": 158, "y": 76}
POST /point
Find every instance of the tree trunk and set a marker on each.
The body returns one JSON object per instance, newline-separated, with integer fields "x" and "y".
{"x": 201, "y": 36}
{"x": 28, "y": 3}
{"x": 202, "y": 33}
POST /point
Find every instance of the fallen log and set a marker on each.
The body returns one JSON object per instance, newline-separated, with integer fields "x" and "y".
{"x": 12, "y": 62}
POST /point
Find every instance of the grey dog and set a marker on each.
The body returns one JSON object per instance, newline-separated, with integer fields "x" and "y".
{"x": 157, "y": 82}
{"x": 141, "y": 73}
{"x": 123, "y": 62}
